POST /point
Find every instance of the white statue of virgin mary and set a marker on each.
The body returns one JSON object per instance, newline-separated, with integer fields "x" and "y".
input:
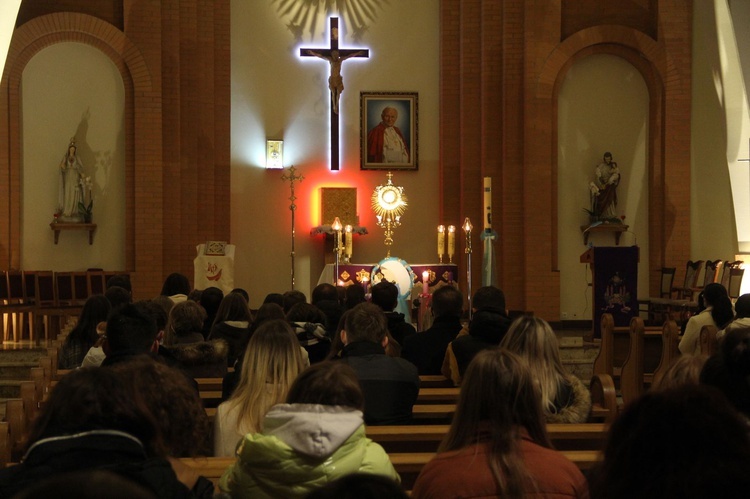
{"x": 70, "y": 191}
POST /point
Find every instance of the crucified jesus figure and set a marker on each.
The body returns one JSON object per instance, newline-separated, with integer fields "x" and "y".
{"x": 336, "y": 81}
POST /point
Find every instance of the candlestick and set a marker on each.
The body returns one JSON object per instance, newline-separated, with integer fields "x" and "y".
{"x": 336, "y": 226}
{"x": 425, "y": 282}
{"x": 487, "y": 203}
{"x": 467, "y": 229}
{"x": 348, "y": 241}
{"x": 441, "y": 242}
{"x": 451, "y": 242}
{"x": 364, "y": 284}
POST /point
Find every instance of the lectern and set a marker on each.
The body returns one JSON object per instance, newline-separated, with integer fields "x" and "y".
{"x": 614, "y": 281}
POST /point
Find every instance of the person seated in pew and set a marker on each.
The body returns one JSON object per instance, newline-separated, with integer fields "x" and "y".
{"x": 564, "y": 398}
{"x": 497, "y": 444}
{"x": 177, "y": 287}
{"x": 426, "y": 349}
{"x": 309, "y": 325}
{"x": 93, "y": 421}
{"x": 687, "y": 442}
{"x": 84, "y": 335}
{"x": 729, "y": 370}
{"x": 316, "y": 437}
{"x": 272, "y": 361}
{"x": 390, "y": 384}
{"x": 488, "y": 325}
{"x": 718, "y": 312}
{"x": 685, "y": 370}
{"x": 741, "y": 316}
{"x": 385, "y": 295}
{"x": 232, "y": 324}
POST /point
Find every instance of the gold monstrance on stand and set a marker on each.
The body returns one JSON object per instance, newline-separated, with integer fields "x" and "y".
{"x": 388, "y": 203}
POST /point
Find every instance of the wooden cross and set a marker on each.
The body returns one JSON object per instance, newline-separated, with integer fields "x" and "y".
{"x": 335, "y": 58}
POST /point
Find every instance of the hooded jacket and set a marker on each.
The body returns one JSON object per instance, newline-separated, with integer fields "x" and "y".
{"x": 301, "y": 448}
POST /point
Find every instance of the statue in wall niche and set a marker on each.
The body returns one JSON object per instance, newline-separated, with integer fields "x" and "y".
{"x": 70, "y": 190}
{"x": 604, "y": 190}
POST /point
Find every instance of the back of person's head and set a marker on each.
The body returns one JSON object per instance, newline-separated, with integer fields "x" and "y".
{"x": 305, "y": 312}
{"x": 164, "y": 302}
{"x": 686, "y": 442}
{"x": 685, "y": 370}
{"x": 95, "y": 310}
{"x": 166, "y": 393}
{"x": 729, "y": 370}
{"x": 291, "y": 298}
{"x": 327, "y": 383}
{"x": 742, "y": 306}
{"x": 244, "y": 294}
{"x": 489, "y": 297}
{"x": 130, "y": 328}
{"x": 157, "y": 312}
{"x": 447, "y": 302}
{"x": 211, "y": 300}
{"x": 185, "y": 318}
{"x": 324, "y": 291}
{"x": 176, "y": 284}
{"x": 353, "y": 296}
{"x": 118, "y": 296}
{"x": 276, "y": 298}
{"x": 94, "y": 398}
{"x": 195, "y": 295}
{"x": 385, "y": 295}
{"x": 272, "y": 361}
{"x": 359, "y": 486}
{"x": 268, "y": 311}
{"x": 365, "y": 322}
{"x": 533, "y": 340}
{"x": 715, "y": 295}
{"x": 233, "y": 308}
{"x": 498, "y": 393}
{"x": 121, "y": 280}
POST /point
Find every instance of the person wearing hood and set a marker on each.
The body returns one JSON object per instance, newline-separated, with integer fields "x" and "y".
{"x": 309, "y": 325}
{"x": 488, "y": 326}
{"x": 385, "y": 296}
{"x": 316, "y": 437}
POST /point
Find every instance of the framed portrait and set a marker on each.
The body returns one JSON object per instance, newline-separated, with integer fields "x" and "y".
{"x": 389, "y": 126}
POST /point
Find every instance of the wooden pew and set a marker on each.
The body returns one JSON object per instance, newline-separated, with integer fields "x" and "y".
{"x": 650, "y": 352}
{"x": 708, "y": 341}
{"x": 407, "y": 464}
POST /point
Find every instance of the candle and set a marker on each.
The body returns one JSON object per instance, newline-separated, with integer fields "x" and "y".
{"x": 488, "y": 203}
{"x": 348, "y": 241}
{"x": 451, "y": 241}
{"x": 364, "y": 283}
{"x": 441, "y": 242}
{"x": 425, "y": 282}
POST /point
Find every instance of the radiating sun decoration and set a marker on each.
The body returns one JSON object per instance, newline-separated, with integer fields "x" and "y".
{"x": 388, "y": 204}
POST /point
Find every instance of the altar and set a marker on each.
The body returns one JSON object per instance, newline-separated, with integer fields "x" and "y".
{"x": 353, "y": 273}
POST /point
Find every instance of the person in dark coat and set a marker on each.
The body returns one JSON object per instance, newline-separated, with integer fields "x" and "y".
{"x": 385, "y": 296}
{"x": 426, "y": 350}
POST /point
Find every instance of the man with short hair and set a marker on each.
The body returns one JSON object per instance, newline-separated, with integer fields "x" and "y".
{"x": 390, "y": 384}
{"x": 426, "y": 350}
{"x": 385, "y": 295}
{"x": 130, "y": 331}
{"x": 488, "y": 326}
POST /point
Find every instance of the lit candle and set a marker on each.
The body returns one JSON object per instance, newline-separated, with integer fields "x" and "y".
{"x": 364, "y": 283}
{"x": 441, "y": 242}
{"x": 425, "y": 282}
{"x": 451, "y": 241}
{"x": 488, "y": 203}
{"x": 336, "y": 226}
{"x": 348, "y": 241}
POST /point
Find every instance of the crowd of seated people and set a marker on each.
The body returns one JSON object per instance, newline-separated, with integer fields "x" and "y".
{"x": 308, "y": 377}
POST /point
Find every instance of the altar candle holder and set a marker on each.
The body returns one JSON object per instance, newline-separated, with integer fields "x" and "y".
{"x": 451, "y": 242}
{"x": 441, "y": 242}
{"x": 347, "y": 243}
{"x": 336, "y": 226}
{"x": 467, "y": 229}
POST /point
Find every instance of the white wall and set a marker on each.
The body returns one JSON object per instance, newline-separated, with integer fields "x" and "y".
{"x": 72, "y": 89}
{"x": 275, "y": 94}
{"x": 602, "y": 106}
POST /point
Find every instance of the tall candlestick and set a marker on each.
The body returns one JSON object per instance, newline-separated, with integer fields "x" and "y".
{"x": 488, "y": 203}
{"x": 451, "y": 242}
{"x": 348, "y": 241}
{"x": 441, "y": 242}
{"x": 425, "y": 282}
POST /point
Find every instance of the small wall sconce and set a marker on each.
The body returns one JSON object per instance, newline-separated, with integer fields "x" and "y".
{"x": 275, "y": 154}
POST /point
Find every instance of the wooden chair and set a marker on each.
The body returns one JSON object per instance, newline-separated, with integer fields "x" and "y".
{"x": 725, "y": 271}
{"x": 97, "y": 282}
{"x": 689, "y": 285}
{"x": 657, "y": 305}
{"x": 735, "y": 283}
{"x": 17, "y": 305}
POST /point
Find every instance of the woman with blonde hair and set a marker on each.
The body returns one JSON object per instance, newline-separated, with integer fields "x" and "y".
{"x": 497, "y": 445}
{"x": 565, "y": 399}
{"x": 272, "y": 360}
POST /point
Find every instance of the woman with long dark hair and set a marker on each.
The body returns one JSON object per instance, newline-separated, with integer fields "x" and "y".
{"x": 497, "y": 445}
{"x": 84, "y": 334}
{"x": 718, "y": 312}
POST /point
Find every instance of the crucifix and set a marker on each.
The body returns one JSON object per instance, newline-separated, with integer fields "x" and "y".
{"x": 292, "y": 178}
{"x": 335, "y": 58}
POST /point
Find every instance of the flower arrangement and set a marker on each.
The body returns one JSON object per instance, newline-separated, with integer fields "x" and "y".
{"x": 84, "y": 208}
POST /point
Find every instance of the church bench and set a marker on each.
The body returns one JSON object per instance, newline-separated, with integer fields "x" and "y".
{"x": 438, "y": 395}
{"x": 407, "y": 464}
{"x": 708, "y": 341}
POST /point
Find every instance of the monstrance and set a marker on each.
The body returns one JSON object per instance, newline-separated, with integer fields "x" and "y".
{"x": 388, "y": 203}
